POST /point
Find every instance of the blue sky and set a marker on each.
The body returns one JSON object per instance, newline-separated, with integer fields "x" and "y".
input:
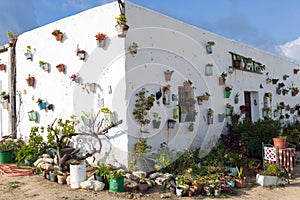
{"x": 269, "y": 25}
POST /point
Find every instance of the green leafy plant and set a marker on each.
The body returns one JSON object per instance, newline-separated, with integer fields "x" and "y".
{"x": 121, "y": 19}
{"x": 102, "y": 170}
{"x": 117, "y": 173}
{"x": 11, "y": 34}
{"x": 142, "y": 105}
{"x": 142, "y": 147}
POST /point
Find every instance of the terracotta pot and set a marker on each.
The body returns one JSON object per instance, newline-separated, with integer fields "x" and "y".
{"x": 59, "y": 37}
{"x": 2, "y": 67}
{"x": 222, "y": 81}
{"x": 240, "y": 183}
{"x": 280, "y": 143}
{"x": 60, "y": 68}
{"x": 30, "y": 81}
{"x": 143, "y": 187}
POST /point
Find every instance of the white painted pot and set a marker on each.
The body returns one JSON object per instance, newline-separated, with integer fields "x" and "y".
{"x": 77, "y": 175}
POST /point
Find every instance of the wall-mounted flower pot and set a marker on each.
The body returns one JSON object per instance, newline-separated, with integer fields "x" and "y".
{"x": 133, "y": 48}
{"x": 2, "y": 67}
{"x": 222, "y": 81}
{"x": 122, "y": 30}
{"x": 42, "y": 106}
{"x": 295, "y": 71}
{"x": 209, "y": 70}
{"x": 156, "y": 123}
{"x": 228, "y": 111}
{"x": 60, "y": 68}
{"x": 32, "y": 115}
{"x": 175, "y": 113}
{"x": 30, "y": 81}
{"x": 28, "y": 56}
{"x": 91, "y": 87}
{"x": 236, "y": 99}
{"x": 230, "y": 69}
{"x": 58, "y": 35}
{"x": 45, "y": 67}
{"x": 210, "y": 118}
{"x": 183, "y": 117}
{"x": 171, "y": 123}
{"x": 278, "y": 90}
{"x": 208, "y": 49}
{"x": 168, "y": 75}
{"x": 221, "y": 117}
{"x": 4, "y": 104}
{"x": 274, "y": 81}
{"x": 101, "y": 43}
{"x": 81, "y": 54}
{"x": 237, "y": 64}
{"x": 227, "y": 93}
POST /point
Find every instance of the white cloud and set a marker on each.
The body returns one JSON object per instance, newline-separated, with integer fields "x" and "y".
{"x": 291, "y": 50}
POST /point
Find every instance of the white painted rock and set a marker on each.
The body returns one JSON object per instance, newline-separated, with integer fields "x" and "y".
{"x": 139, "y": 174}
{"x": 87, "y": 185}
{"x": 155, "y": 175}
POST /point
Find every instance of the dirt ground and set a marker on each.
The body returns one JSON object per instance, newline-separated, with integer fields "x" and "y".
{"x": 35, "y": 187}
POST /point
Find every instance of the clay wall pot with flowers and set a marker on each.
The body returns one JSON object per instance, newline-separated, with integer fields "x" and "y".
{"x": 81, "y": 54}
{"x": 60, "y": 68}
{"x": 2, "y": 67}
{"x": 58, "y": 35}
{"x": 100, "y": 37}
{"x": 295, "y": 70}
{"x": 30, "y": 80}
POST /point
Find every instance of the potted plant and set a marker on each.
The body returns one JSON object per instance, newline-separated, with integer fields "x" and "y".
{"x": 28, "y": 53}
{"x": 229, "y": 109}
{"x": 2, "y": 66}
{"x": 143, "y": 185}
{"x": 191, "y": 126}
{"x": 285, "y": 76}
{"x": 143, "y": 104}
{"x": 58, "y": 35}
{"x": 280, "y": 141}
{"x": 101, "y": 173}
{"x": 227, "y": 91}
{"x": 295, "y": 70}
{"x": 156, "y": 121}
{"x": 44, "y": 65}
{"x": 30, "y": 80}
{"x": 209, "y": 69}
{"x": 271, "y": 176}
{"x": 7, "y": 148}
{"x": 294, "y": 91}
{"x": 210, "y": 116}
{"x": 32, "y": 115}
{"x": 81, "y": 54}
{"x": 236, "y": 98}
{"x": 240, "y": 179}
{"x": 60, "y": 68}
{"x": 100, "y": 37}
{"x": 116, "y": 180}
{"x": 222, "y": 78}
{"x": 121, "y": 26}
{"x": 41, "y": 103}
{"x": 208, "y": 47}
{"x": 237, "y": 61}
{"x": 75, "y": 78}
{"x": 248, "y": 63}
{"x": 108, "y": 115}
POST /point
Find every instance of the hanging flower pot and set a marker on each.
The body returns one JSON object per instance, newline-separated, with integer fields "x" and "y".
{"x": 42, "y": 105}
{"x": 2, "y": 67}
{"x": 32, "y": 115}
{"x": 221, "y": 117}
{"x": 30, "y": 80}
{"x": 175, "y": 113}
{"x": 191, "y": 127}
{"x": 75, "y": 78}
{"x": 171, "y": 123}
{"x": 58, "y": 35}
{"x": 60, "y": 68}
{"x": 295, "y": 70}
{"x": 121, "y": 27}
{"x": 278, "y": 90}
{"x": 133, "y": 49}
{"x": 168, "y": 75}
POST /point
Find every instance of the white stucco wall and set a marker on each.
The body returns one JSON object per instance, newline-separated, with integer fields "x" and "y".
{"x": 163, "y": 44}
{"x": 167, "y": 44}
{"x": 4, "y": 127}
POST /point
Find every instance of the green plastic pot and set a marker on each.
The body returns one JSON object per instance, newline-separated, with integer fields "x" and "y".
{"x": 116, "y": 184}
{"x": 6, "y": 156}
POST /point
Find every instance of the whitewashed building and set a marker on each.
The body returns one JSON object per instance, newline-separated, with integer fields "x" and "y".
{"x": 154, "y": 47}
